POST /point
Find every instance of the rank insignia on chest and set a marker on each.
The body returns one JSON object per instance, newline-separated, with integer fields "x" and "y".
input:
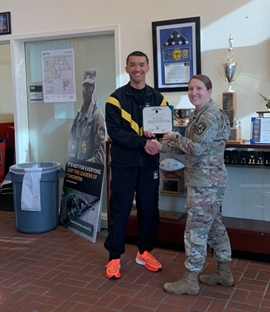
{"x": 73, "y": 146}
{"x": 155, "y": 174}
{"x": 200, "y": 128}
{"x": 84, "y": 147}
{"x": 72, "y": 149}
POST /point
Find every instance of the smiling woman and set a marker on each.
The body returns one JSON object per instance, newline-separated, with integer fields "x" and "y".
{"x": 203, "y": 144}
{"x": 199, "y": 91}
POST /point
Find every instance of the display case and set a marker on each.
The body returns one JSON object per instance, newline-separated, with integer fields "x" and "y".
{"x": 246, "y": 208}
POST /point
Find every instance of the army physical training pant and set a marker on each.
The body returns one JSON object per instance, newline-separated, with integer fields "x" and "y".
{"x": 124, "y": 183}
{"x": 204, "y": 225}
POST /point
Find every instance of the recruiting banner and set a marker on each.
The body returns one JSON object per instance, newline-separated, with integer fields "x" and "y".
{"x": 80, "y": 206}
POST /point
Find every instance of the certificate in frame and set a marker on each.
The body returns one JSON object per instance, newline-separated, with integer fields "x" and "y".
{"x": 5, "y": 24}
{"x": 158, "y": 119}
{"x": 260, "y": 130}
{"x": 177, "y": 53}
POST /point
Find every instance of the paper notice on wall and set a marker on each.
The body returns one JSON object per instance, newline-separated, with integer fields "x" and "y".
{"x": 36, "y": 94}
{"x": 58, "y": 76}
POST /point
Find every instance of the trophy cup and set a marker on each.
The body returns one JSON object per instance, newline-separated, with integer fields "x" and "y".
{"x": 229, "y": 71}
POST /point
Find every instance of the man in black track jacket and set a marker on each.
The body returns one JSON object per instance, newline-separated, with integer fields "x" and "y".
{"x": 135, "y": 167}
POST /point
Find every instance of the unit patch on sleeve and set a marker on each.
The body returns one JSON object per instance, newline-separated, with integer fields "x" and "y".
{"x": 200, "y": 128}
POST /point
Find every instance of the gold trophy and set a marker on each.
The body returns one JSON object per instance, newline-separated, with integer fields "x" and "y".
{"x": 229, "y": 71}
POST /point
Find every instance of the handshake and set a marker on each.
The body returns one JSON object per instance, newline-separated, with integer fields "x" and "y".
{"x": 152, "y": 146}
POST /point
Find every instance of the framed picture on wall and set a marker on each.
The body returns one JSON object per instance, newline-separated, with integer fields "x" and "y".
{"x": 5, "y": 24}
{"x": 177, "y": 53}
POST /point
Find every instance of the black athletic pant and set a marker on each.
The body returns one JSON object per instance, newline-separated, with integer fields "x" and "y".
{"x": 124, "y": 183}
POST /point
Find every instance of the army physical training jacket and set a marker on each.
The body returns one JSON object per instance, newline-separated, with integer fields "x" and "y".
{"x": 124, "y": 125}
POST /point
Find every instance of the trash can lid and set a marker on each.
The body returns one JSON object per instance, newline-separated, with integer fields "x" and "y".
{"x": 44, "y": 167}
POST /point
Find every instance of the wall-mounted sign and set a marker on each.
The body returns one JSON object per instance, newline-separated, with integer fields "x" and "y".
{"x": 36, "y": 94}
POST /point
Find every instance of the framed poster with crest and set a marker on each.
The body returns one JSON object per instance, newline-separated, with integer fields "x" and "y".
{"x": 177, "y": 53}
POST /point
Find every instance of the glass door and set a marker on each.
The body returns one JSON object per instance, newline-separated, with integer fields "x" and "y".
{"x": 50, "y": 123}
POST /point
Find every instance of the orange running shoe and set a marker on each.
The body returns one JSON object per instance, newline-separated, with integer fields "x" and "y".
{"x": 148, "y": 261}
{"x": 113, "y": 269}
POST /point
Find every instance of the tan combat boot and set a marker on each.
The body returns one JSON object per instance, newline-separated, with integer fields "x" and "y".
{"x": 223, "y": 276}
{"x": 187, "y": 285}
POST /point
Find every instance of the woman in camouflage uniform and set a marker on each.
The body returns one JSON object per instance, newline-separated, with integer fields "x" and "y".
{"x": 206, "y": 177}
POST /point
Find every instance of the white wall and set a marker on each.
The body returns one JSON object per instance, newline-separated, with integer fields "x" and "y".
{"x": 246, "y": 20}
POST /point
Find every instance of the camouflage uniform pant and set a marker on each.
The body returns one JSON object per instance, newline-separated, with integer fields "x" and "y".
{"x": 204, "y": 225}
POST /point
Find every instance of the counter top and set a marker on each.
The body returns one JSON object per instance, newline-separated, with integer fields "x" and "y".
{"x": 247, "y": 144}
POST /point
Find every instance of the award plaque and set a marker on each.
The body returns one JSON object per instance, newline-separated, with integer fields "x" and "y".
{"x": 158, "y": 119}
{"x": 229, "y": 105}
{"x": 260, "y": 127}
{"x": 229, "y": 71}
{"x": 173, "y": 176}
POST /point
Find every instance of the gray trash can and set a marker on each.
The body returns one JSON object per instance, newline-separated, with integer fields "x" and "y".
{"x": 46, "y": 175}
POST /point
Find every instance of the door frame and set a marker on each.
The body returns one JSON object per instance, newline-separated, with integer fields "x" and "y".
{"x": 17, "y": 43}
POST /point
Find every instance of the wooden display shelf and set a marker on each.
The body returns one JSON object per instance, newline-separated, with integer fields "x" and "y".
{"x": 245, "y": 235}
{"x": 248, "y": 145}
{"x": 237, "y": 141}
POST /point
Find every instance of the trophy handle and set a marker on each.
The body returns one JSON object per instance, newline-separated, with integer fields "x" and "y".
{"x": 221, "y": 73}
{"x": 239, "y": 65}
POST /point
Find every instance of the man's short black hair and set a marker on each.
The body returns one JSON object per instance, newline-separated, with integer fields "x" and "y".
{"x": 138, "y": 53}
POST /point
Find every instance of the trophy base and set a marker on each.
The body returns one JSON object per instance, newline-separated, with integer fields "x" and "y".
{"x": 236, "y": 141}
{"x": 261, "y": 113}
{"x": 229, "y": 105}
{"x": 172, "y": 186}
{"x": 235, "y": 136}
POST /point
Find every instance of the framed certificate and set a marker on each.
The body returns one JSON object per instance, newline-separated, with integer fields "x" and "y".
{"x": 158, "y": 119}
{"x": 260, "y": 130}
{"x": 177, "y": 55}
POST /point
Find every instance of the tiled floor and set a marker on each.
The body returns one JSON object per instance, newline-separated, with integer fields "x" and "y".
{"x": 60, "y": 271}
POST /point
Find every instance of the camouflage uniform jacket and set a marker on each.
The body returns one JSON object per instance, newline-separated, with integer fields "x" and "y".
{"x": 90, "y": 128}
{"x": 203, "y": 144}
